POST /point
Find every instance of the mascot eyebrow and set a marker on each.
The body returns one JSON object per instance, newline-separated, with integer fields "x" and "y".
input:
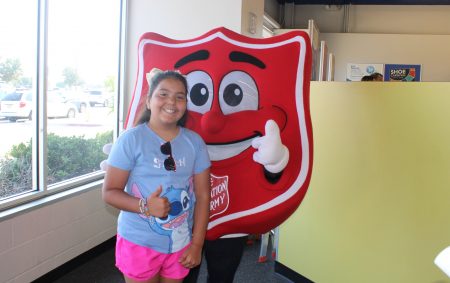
{"x": 235, "y": 56}
{"x": 196, "y": 56}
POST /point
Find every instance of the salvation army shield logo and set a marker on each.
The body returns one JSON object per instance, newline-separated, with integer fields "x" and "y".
{"x": 220, "y": 197}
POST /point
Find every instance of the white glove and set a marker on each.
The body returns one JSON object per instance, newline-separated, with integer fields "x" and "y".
{"x": 106, "y": 150}
{"x": 270, "y": 152}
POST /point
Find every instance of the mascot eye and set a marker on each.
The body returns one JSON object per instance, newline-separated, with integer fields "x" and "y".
{"x": 238, "y": 92}
{"x": 200, "y": 94}
{"x": 233, "y": 94}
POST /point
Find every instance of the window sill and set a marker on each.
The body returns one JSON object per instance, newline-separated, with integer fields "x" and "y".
{"x": 48, "y": 199}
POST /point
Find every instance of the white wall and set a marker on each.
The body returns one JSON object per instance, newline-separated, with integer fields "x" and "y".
{"x": 387, "y": 34}
{"x": 256, "y": 9}
{"x": 35, "y": 242}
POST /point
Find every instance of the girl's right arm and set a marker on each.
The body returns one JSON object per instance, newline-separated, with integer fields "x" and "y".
{"x": 113, "y": 190}
{"x": 113, "y": 193}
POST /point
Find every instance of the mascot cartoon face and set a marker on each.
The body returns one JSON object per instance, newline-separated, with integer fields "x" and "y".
{"x": 249, "y": 100}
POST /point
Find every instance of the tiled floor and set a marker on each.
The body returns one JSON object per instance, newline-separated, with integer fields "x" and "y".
{"x": 101, "y": 269}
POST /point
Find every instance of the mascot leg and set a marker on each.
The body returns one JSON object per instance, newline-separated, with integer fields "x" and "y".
{"x": 222, "y": 260}
{"x": 192, "y": 275}
{"x": 223, "y": 257}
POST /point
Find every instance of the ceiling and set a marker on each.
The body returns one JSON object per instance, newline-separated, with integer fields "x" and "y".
{"x": 366, "y": 2}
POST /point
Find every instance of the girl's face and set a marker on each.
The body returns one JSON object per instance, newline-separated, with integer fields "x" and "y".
{"x": 168, "y": 103}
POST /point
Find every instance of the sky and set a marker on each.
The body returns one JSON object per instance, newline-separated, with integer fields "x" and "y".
{"x": 82, "y": 34}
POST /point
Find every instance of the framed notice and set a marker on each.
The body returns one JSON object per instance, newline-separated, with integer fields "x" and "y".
{"x": 356, "y": 71}
{"x": 402, "y": 73}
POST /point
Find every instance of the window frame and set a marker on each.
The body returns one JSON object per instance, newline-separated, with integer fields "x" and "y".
{"x": 41, "y": 190}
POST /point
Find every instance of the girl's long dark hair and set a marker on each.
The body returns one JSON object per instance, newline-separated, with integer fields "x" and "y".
{"x": 156, "y": 79}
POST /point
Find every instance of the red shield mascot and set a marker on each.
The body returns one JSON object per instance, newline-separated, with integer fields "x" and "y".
{"x": 249, "y": 100}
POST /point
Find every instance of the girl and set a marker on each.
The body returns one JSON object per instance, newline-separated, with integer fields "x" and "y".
{"x": 158, "y": 176}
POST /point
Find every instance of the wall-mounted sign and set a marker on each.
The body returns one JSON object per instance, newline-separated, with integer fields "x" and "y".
{"x": 356, "y": 71}
{"x": 402, "y": 73}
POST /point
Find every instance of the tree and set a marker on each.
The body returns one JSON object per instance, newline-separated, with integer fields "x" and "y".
{"x": 110, "y": 83}
{"x": 10, "y": 70}
{"x": 25, "y": 82}
{"x": 71, "y": 77}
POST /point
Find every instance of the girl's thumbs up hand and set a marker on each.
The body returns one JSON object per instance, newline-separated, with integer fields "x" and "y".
{"x": 158, "y": 206}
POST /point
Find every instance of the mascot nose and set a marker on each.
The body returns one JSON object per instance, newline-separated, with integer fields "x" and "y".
{"x": 213, "y": 122}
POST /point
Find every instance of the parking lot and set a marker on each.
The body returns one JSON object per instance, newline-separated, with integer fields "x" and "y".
{"x": 94, "y": 120}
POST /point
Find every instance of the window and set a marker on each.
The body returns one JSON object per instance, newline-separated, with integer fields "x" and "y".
{"x": 55, "y": 123}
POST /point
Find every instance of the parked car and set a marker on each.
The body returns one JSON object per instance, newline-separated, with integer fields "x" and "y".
{"x": 60, "y": 107}
{"x": 81, "y": 103}
{"x": 16, "y": 105}
{"x": 78, "y": 98}
{"x": 99, "y": 97}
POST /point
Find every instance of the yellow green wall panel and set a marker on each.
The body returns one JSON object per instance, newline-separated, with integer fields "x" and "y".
{"x": 378, "y": 206}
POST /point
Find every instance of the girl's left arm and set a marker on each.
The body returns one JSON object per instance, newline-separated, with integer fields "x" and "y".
{"x": 202, "y": 190}
{"x": 202, "y": 185}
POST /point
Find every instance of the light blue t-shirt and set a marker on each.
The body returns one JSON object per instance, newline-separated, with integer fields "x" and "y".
{"x": 138, "y": 150}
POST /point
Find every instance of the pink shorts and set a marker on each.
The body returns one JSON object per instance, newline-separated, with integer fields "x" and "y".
{"x": 142, "y": 263}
